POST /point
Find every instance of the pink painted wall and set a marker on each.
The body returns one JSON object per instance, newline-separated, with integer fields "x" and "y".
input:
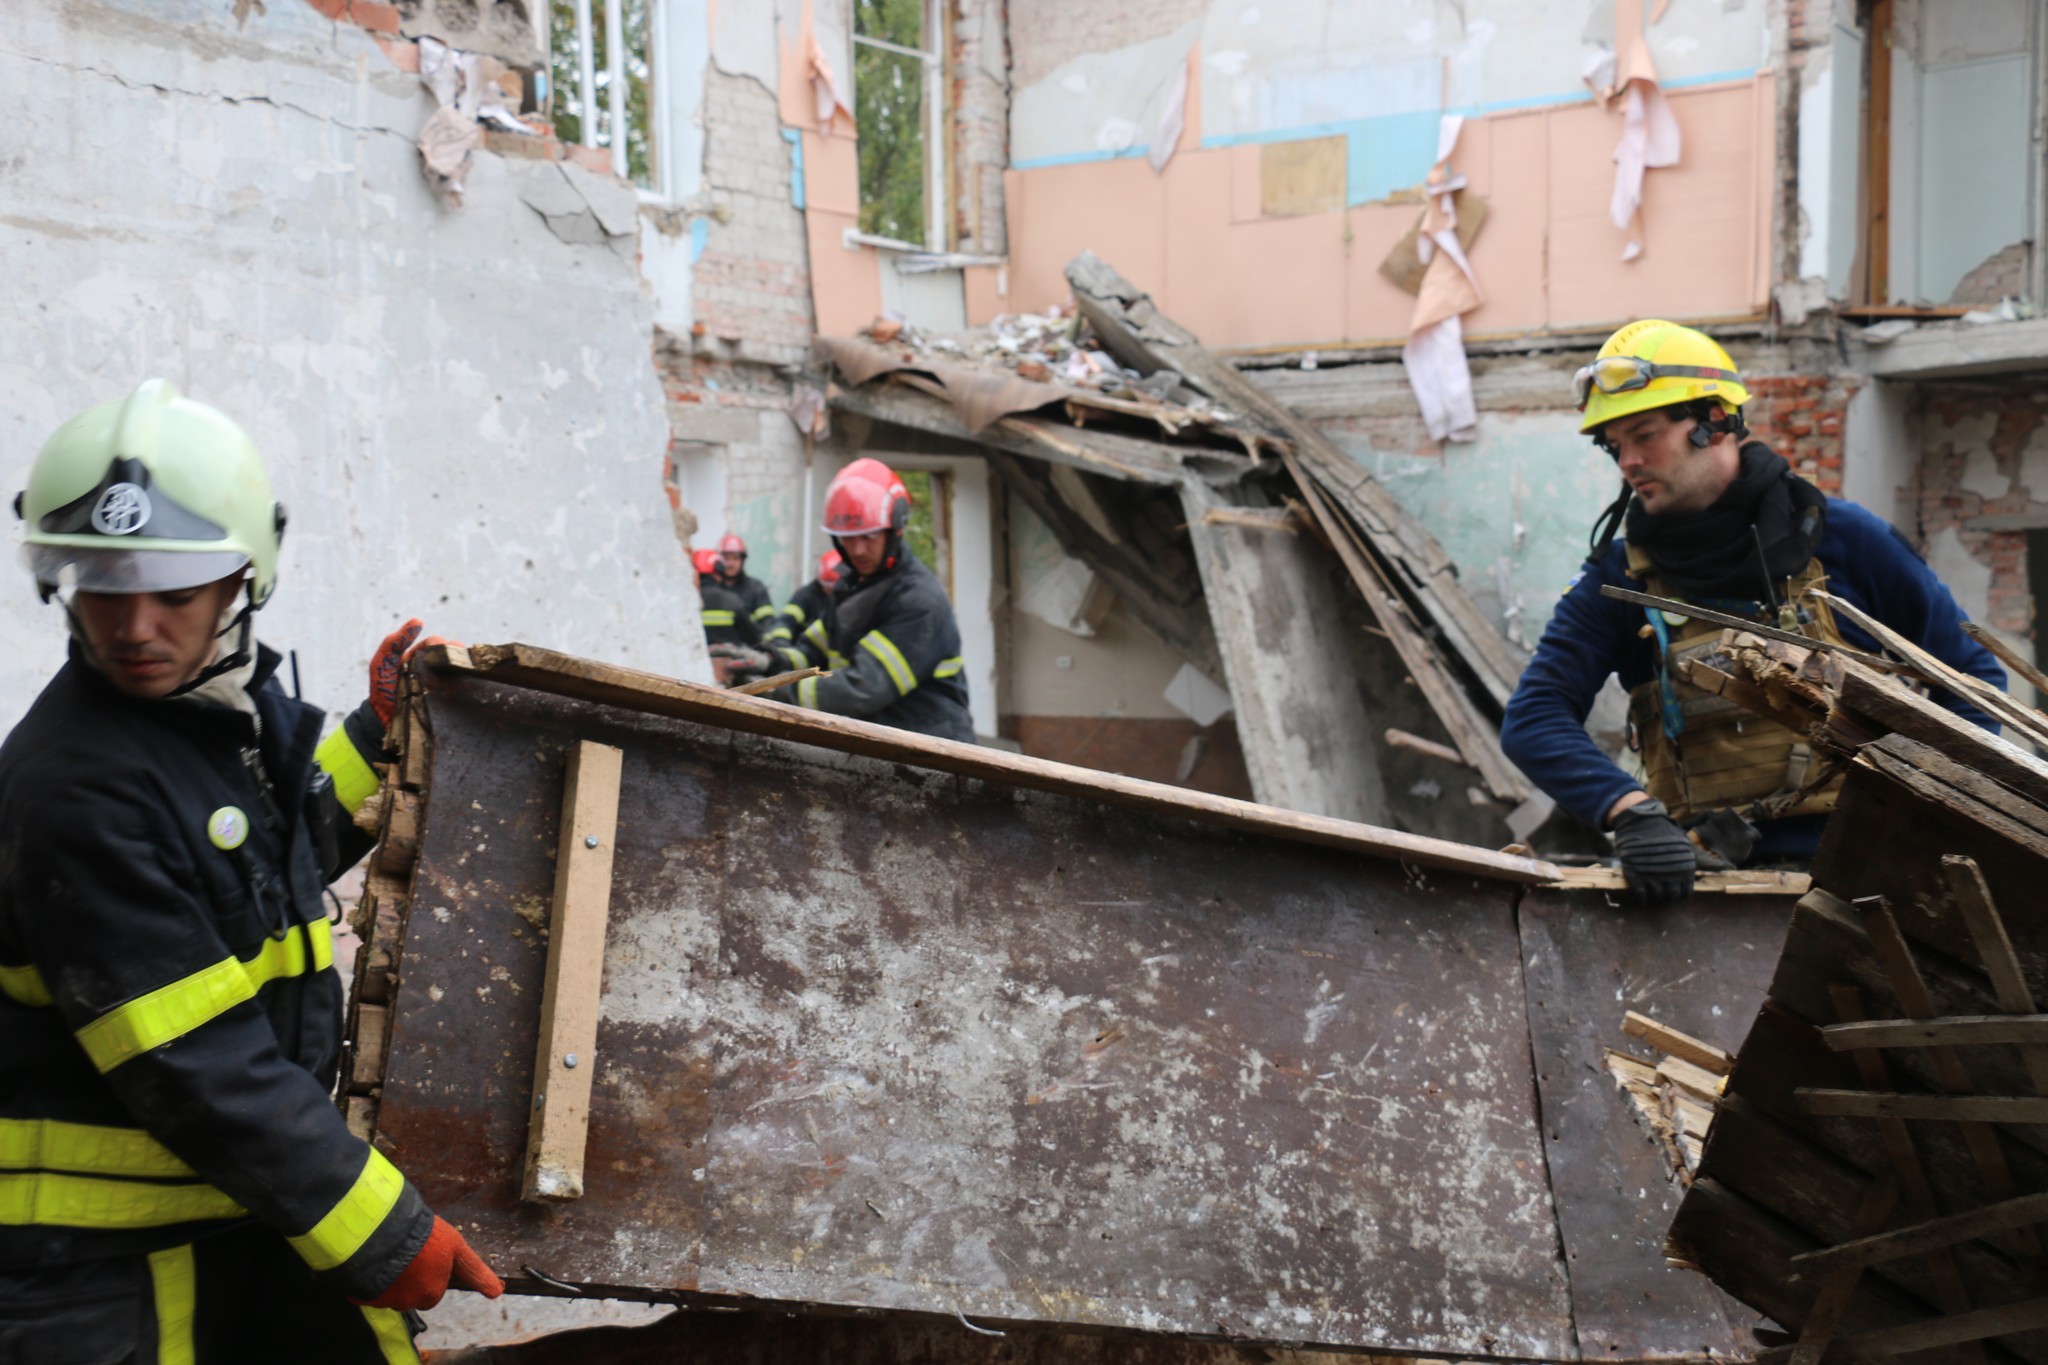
{"x": 1547, "y": 256}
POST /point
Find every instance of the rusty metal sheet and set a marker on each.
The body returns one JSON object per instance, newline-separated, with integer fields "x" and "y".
{"x": 881, "y": 1037}
{"x": 1704, "y": 967}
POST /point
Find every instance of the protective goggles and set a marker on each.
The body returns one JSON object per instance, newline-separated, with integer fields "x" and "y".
{"x": 1626, "y": 373}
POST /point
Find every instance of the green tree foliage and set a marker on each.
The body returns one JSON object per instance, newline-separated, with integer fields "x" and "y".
{"x": 565, "y": 80}
{"x": 888, "y": 98}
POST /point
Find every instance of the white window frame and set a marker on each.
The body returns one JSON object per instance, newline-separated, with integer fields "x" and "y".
{"x": 660, "y": 170}
{"x": 935, "y": 124}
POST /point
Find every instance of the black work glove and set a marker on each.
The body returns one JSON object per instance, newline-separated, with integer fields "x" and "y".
{"x": 1656, "y": 857}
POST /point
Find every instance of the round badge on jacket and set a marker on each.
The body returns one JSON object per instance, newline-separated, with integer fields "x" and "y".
{"x": 227, "y": 828}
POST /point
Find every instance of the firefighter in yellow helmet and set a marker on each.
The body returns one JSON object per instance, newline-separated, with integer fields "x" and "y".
{"x": 1705, "y": 515}
{"x": 176, "y": 1185}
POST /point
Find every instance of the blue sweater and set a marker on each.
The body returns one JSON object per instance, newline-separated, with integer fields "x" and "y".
{"x": 1867, "y": 562}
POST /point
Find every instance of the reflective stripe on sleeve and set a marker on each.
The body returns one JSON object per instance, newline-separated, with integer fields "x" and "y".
{"x": 394, "y": 1338}
{"x": 807, "y": 692}
{"x": 25, "y": 986}
{"x": 75, "y": 1201}
{"x": 718, "y": 616}
{"x": 355, "y": 781}
{"x": 175, "y": 1277}
{"x": 815, "y": 633}
{"x": 764, "y": 611}
{"x": 776, "y": 632}
{"x": 348, "y": 1225}
{"x": 949, "y": 668}
{"x": 86, "y": 1149}
{"x": 883, "y": 648}
{"x": 792, "y": 611}
{"x": 292, "y": 956}
{"x": 166, "y": 1013}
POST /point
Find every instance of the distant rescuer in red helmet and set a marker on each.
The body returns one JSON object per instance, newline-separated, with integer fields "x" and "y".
{"x": 755, "y": 603}
{"x": 887, "y": 632}
{"x": 805, "y": 605}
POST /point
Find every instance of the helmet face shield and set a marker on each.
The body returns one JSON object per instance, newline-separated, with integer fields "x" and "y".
{"x": 67, "y": 568}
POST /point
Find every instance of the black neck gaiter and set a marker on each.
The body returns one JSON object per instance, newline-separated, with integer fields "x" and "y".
{"x": 1714, "y": 552}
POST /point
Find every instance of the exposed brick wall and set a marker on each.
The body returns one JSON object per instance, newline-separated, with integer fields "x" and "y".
{"x": 1984, "y": 452}
{"x": 980, "y": 94}
{"x": 1058, "y": 31}
{"x": 751, "y": 289}
{"x": 1800, "y": 416}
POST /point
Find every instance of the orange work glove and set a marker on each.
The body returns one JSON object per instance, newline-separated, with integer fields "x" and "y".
{"x": 444, "y": 1261}
{"x": 389, "y": 661}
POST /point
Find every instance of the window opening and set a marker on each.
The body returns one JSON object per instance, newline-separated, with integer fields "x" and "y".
{"x": 930, "y": 533}
{"x": 594, "y": 96}
{"x": 897, "y": 95}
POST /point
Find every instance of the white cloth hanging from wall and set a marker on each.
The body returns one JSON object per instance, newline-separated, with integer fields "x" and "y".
{"x": 1649, "y": 129}
{"x": 1435, "y": 354}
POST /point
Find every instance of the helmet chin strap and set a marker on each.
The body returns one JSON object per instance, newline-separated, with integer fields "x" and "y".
{"x": 239, "y": 619}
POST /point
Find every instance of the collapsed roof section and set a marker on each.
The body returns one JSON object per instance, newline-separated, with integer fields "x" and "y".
{"x": 1335, "y": 617}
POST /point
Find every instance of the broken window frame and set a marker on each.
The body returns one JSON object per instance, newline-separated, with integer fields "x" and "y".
{"x": 937, "y": 163}
{"x": 616, "y": 110}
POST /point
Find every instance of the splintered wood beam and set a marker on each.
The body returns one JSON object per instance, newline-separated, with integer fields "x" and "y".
{"x": 2024, "y": 719}
{"x": 1873, "y": 1104}
{"x": 1920, "y": 1238}
{"x": 2010, "y": 657}
{"x": 1955, "y": 1030}
{"x": 1683, "y": 1046}
{"x": 566, "y": 1057}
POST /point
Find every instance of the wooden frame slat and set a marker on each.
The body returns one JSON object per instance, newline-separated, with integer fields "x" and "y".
{"x": 1918, "y": 1238}
{"x": 1953, "y": 1030}
{"x": 566, "y": 1057}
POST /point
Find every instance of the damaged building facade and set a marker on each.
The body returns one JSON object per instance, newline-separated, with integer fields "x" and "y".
{"x": 530, "y": 396}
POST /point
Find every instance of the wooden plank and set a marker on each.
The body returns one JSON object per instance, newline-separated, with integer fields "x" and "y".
{"x": 562, "y": 675}
{"x": 1478, "y": 741}
{"x": 1987, "y": 698}
{"x": 1401, "y": 739}
{"x": 1867, "y": 1104}
{"x": 1829, "y": 1306}
{"x": 372, "y": 1034}
{"x": 1737, "y": 883}
{"x": 1867, "y": 693}
{"x": 2001, "y": 963}
{"x": 2007, "y": 655}
{"x": 566, "y": 1057}
{"x": 1666, "y": 1039}
{"x": 1692, "y": 1079}
{"x": 1954, "y": 1330}
{"x": 1695, "y": 612}
{"x": 1920, "y": 1238}
{"x": 1962, "y": 1030}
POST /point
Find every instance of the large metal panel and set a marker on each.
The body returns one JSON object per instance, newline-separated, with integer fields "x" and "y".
{"x": 879, "y": 1036}
{"x": 1703, "y": 967}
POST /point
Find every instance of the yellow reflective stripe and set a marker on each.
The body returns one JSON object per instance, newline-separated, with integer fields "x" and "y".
{"x": 793, "y": 611}
{"x": 949, "y": 667}
{"x": 717, "y": 616}
{"x": 394, "y": 1338}
{"x": 76, "y": 1201}
{"x": 834, "y": 659}
{"x": 349, "y": 1223}
{"x": 776, "y": 633}
{"x": 815, "y": 633}
{"x": 793, "y": 656}
{"x": 87, "y": 1148}
{"x": 763, "y": 612}
{"x": 807, "y": 692}
{"x": 355, "y": 781}
{"x": 166, "y": 1013}
{"x": 176, "y": 1280}
{"x": 287, "y": 957}
{"x": 25, "y": 986}
{"x": 883, "y": 648}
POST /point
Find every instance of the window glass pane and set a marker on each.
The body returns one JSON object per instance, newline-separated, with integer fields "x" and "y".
{"x": 888, "y": 105}
{"x": 893, "y": 21}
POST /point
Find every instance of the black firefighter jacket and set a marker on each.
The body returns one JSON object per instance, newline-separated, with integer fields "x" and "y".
{"x": 894, "y": 650}
{"x": 170, "y": 1017}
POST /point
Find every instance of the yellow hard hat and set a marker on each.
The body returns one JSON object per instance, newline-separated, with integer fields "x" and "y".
{"x": 1655, "y": 364}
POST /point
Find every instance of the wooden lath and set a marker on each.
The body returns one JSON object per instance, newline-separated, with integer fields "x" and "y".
{"x": 2008, "y": 1216}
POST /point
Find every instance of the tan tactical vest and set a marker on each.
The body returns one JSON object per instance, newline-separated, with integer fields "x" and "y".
{"x": 1725, "y": 754}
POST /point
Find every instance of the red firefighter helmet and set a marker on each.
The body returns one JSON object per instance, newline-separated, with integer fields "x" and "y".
{"x": 732, "y": 544}
{"x": 829, "y": 564}
{"x": 706, "y": 561}
{"x": 866, "y": 497}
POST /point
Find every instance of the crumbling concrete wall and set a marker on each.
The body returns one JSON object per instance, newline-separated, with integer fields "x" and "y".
{"x": 456, "y": 404}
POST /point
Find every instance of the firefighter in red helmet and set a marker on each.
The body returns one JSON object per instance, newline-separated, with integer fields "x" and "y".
{"x": 731, "y": 573}
{"x": 887, "y": 631}
{"x": 805, "y": 605}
